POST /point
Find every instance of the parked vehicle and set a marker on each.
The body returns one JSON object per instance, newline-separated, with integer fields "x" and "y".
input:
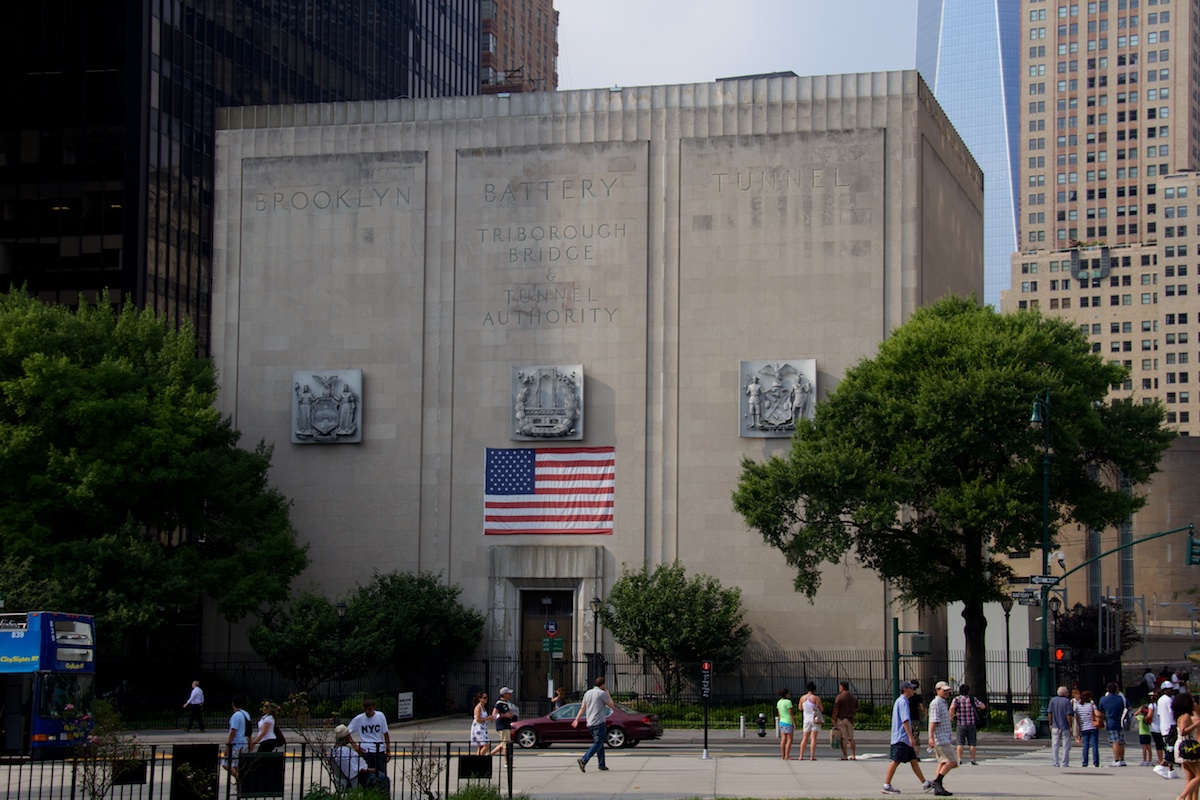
{"x": 626, "y": 727}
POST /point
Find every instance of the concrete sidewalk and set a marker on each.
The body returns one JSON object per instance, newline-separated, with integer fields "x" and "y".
{"x": 672, "y": 768}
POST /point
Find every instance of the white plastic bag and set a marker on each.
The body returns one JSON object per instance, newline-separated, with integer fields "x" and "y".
{"x": 1024, "y": 728}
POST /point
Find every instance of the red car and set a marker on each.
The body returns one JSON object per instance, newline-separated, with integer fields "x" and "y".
{"x": 626, "y": 728}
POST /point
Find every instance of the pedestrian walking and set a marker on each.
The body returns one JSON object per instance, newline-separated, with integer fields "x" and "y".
{"x": 479, "y": 721}
{"x": 595, "y": 700}
{"x": 904, "y": 741}
{"x": 1168, "y": 731}
{"x": 941, "y": 737}
{"x": 194, "y": 705}
{"x": 504, "y": 713}
{"x": 966, "y": 710}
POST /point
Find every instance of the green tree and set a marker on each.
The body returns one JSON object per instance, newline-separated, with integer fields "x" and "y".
{"x": 398, "y": 620}
{"x": 125, "y": 493}
{"x": 923, "y": 463}
{"x": 675, "y": 621}
{"x": 1080, "y": 628}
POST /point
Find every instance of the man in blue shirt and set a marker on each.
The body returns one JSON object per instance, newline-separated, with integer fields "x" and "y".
{"x": 1062, "y": 716}
{"x": 1114, "y": 706}
{"x": 904, "y": 741}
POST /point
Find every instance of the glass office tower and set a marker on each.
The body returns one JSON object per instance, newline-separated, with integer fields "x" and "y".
{"x": 106, "y": 141}
{"x": 968, "y": 51}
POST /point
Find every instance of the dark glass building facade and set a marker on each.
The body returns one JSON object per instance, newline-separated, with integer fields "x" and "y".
{"x": 107, "y": 136}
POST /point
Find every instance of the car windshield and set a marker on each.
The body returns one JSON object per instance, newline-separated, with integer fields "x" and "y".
{"x": 569, "y": 711}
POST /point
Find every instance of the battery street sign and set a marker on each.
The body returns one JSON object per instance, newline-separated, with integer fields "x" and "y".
{"x": 1026, "y": 595}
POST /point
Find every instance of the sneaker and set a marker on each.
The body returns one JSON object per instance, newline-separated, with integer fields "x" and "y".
{"x": 1144, "y": 764}
{"x": 940, "y": 791}
{"x": 927, "y": 786}
{"x": 582, "y": 766}
{"x": 603, "y": 768}
{"x": 1114, "y": 763}
{"x": 889, "y": 789}
{"x": 1121, "y": 764}
{"x": 975, "y": 763}
{"x": 1161, "y": 770}
{"x": 1172, "y": 775}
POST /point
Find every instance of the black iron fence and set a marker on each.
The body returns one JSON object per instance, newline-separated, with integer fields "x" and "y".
{"x": 418, "y": 771}
{"x": 439, "y": 686}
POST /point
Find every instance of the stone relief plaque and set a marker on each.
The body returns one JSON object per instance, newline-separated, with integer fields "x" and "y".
{"x": 326, "y": 406}
{"x": 547, "y": 402}
{"x": 773, "y": 395}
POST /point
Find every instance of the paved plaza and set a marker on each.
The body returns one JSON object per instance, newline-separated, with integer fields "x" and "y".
{"x": 673, "y": 768}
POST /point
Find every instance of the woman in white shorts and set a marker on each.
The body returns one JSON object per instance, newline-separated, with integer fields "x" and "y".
{"x": 810, "y": 704}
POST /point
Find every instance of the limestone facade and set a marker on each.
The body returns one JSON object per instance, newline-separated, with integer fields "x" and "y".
{"x": 657, "y": 236}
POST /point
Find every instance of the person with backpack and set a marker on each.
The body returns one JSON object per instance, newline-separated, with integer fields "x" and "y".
{"x": 1115, "y": 708}
{"x": 966, "y": 711}
{"x": 239, "y": 736}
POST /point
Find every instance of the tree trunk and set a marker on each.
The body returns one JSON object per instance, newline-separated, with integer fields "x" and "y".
{"x": 975, "y": 640}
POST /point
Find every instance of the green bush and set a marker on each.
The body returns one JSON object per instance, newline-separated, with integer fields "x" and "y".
{"x": 316, "y": 792}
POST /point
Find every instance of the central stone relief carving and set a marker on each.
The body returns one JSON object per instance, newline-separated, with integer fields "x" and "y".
{"x": 775, "y": 394}
{"x": 547, "y": 402}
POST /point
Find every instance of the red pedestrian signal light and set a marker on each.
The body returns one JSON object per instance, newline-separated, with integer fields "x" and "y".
{"x": 1062, "y": 655}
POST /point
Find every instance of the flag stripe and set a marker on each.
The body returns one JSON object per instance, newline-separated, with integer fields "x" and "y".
{"x": 549, "y": 490}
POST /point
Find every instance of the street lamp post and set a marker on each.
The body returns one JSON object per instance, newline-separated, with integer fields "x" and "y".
{"x": 1006, "y": 602}
{"x": 341, "y": 615}
{"x": 1041, "y": 419}
{"x": 596, "y": 604}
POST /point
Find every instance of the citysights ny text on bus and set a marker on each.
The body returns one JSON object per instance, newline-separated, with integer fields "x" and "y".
{"x": 47, "y": 671}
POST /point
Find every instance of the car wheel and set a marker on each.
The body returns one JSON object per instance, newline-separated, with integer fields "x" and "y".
{"x": 615, "y": 738}
{"x": 527, "y": 737}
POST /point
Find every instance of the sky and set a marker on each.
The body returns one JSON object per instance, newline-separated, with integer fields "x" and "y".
{"x": 606, "y": 43}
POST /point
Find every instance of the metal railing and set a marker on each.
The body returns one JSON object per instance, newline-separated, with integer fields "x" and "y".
{"x": 417, "y": 771}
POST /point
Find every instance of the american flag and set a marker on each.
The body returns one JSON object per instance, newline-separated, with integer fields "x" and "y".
{"x": 549, "y": 490}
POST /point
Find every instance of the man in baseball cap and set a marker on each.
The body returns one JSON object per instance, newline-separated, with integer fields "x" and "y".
{"x": 505, "y": 714}
{"x": 941, "y": 737}
{"x": 904, "y": 741}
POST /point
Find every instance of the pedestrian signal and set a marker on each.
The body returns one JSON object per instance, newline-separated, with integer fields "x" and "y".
{"x": 1062, "y": 655}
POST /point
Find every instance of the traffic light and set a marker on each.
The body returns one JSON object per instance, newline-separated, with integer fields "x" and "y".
{"x": 1193, "y": 551}
{"x": 1062, "y": 655}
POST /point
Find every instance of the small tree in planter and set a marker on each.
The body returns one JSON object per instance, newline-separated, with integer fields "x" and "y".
{"x": 105, "y": 755}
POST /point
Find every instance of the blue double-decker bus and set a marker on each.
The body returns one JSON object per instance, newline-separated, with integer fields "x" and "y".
{"x": 47, "y": 671}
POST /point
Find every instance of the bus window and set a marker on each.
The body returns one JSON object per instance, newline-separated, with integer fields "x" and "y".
{"x": 59, "y": 691}
{"x": 72, "y": 631}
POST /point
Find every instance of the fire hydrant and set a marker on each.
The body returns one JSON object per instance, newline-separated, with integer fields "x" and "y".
{"x": 762, "y": 725}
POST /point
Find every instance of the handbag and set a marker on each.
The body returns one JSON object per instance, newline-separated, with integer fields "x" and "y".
{"x": 1188, "y": 749}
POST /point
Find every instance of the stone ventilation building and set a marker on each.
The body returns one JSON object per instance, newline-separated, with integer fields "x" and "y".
{"x": 602, "y": 274}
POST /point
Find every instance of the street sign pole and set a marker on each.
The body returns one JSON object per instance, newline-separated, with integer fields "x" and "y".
{"x": 705, "y": 693}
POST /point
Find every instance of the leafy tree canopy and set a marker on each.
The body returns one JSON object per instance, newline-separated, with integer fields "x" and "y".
{"x": 395, "y": 620}
{"x": 675, "y": 621}
{"x": 125, "y": 493}
{"x": 923, "y": 462}
{"x": 1080, "y": 629}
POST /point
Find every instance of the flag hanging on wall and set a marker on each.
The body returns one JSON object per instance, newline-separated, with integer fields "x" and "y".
{"x": 549, "y": 490}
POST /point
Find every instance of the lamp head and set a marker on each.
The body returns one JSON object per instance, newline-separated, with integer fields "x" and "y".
{"x": 1006, "y": 602}
{"x": 1035, "y": 419}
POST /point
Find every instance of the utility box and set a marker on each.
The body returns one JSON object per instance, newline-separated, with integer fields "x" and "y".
{"x": 922, "y": 644}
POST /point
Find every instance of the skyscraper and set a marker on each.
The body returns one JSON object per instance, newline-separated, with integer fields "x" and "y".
{"x": 1111, "y": 133}
{"x": 106, "y": 143}
{"x": 968, "y": 53}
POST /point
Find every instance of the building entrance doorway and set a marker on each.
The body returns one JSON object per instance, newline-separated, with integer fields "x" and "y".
{"x": 546, "y": 658}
